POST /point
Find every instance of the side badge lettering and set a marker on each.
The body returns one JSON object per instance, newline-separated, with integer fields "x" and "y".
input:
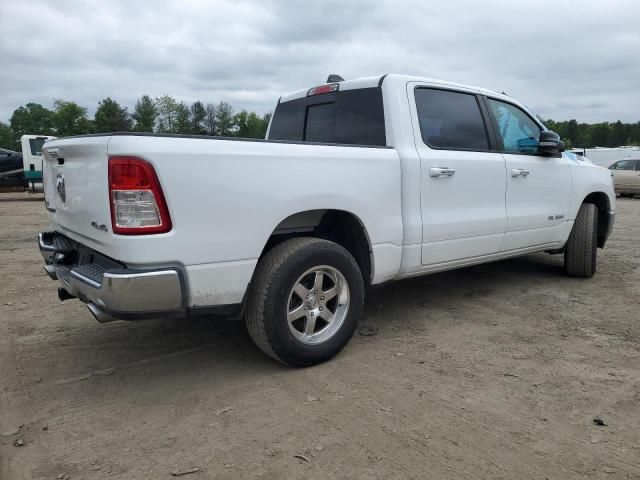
{"x": 102, "y": 227}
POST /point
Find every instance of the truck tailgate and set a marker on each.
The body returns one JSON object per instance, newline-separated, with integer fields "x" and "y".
{"x": 76, "y": 187}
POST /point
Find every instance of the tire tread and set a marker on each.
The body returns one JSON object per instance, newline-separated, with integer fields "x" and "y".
{"x": 264, "y": 277}
{"x": 580, "y": 253}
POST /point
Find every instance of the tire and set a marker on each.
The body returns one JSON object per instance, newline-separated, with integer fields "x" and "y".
{"x": 580, "y": 253}
{"x": 272, "y": 301}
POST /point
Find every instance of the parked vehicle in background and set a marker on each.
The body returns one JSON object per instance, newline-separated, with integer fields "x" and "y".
{"x": 358, "y": 182}
{"x": 626, "y": 177}
{"x": 21, "y": 170}
{"x": 11, "y": 171}
{"x": 32, "y": 156}
{"x": 605, "y": 156}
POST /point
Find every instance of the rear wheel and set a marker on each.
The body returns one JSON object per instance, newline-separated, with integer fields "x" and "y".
{"x": 305, "y": 301}
{"x": 580, "y": 254}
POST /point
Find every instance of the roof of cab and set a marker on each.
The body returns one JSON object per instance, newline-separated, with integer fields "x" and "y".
{"x": 374, "y": 81}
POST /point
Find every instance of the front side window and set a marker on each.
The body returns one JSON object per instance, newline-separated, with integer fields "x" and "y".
{"x": 624, "y": 165}
{"x": 450, "y": 120}
{"x": 519, "y": 133}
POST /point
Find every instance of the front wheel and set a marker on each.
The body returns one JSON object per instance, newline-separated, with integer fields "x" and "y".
{"x": 581, "y": 249}
{"x": 305, "y": 301}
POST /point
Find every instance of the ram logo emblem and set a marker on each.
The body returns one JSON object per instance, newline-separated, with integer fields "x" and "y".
{"x": 62, "y": 192}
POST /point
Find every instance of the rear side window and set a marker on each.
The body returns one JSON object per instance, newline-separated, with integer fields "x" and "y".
{"x": 352, "y": 117}
{"x": 450, "y": 120}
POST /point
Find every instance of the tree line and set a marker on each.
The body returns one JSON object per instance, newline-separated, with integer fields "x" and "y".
{"x": 605, "y": 134}
{"x": 159, "y": 115}
{"x": 167, "y": 115}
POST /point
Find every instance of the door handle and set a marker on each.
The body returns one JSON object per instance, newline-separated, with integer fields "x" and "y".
{"x": 441, "y": 172}
{"x": 519, "y": 172}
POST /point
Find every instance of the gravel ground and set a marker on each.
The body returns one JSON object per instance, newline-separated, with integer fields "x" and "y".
{"x": 495, "y": 371}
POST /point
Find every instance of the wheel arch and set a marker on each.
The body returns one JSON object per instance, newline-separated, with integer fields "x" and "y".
{"x": 340, "y": 226}
{"x": 603, "y": 204}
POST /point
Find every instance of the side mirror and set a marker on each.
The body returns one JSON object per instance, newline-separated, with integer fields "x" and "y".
{"x": 550, "y": 144}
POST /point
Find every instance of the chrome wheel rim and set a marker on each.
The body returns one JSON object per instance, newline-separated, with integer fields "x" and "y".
{"x": 317, "y": 305}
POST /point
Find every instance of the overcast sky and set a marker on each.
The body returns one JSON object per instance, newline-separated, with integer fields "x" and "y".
{"x": 564, "y": 59}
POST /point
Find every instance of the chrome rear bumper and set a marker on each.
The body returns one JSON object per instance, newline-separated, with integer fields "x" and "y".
{"x": 115, "y": 293}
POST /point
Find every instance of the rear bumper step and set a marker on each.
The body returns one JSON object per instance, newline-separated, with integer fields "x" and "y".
{"x": 113, "y": 293}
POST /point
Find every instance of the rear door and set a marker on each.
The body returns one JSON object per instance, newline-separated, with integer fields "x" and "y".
{"x": 538, "y": 187}
{"x": 462, "y": 175}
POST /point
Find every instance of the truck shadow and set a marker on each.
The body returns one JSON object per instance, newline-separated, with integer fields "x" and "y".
{"x": 212, "y": 351}
{"x": 506, "y": 277}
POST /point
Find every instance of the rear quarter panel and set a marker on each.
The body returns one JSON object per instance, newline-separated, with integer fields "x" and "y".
{"x": 226, "y": 197}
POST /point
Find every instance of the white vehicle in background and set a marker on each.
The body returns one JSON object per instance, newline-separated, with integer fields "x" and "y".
{"x": 604, "y": 156}
{"x": 32, "y": 156}
{"x": 21, "y": 170}
{"x": 358, "y": 182}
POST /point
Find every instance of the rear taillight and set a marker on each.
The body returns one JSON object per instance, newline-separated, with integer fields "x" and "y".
{"x": 138, "y": 206}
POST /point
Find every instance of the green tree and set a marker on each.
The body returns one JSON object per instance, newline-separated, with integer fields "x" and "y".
{"x": 69, "y": 118}
{"x": 198, "y": 116}
{"x": 111, "y": 117}
{"x": 620, "y": 133}
{"x": 634, "y": 134}
{"x": 183, "y": 118}
{"x": 167, "y": 109}
{"x": 145, "y": 114}
{"x": 7, "y": 137}
{"x": 250, "y": 125}
{"x": 32, "y": 119}
{"x": 600, "y": 134}
{"x": 210, "y": 122}
{"x": 224, "y": 119}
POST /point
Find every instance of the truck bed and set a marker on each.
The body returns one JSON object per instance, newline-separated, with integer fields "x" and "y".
{"x": 225, "y": 198}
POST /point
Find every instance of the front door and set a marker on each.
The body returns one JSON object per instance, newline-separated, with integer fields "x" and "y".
{"x": 538, "y": 187}
{"x": 463, "y": 177}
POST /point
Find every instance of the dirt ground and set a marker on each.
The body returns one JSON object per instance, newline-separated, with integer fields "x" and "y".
{"x": 495, "y": 371}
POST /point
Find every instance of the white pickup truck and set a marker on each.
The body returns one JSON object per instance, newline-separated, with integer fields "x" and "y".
{"x": 358, "y": 182}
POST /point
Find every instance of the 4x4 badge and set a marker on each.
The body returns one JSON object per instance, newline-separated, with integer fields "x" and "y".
{"x": 62, "y": 193}
{"x": 102, "y": 227}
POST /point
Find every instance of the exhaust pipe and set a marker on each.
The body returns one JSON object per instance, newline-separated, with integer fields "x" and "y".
{"x": 100, "y": 315}
{"x": 63, "y": 294}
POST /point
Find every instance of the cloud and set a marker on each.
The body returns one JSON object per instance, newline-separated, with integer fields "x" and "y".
{"x": 565, "y": 59}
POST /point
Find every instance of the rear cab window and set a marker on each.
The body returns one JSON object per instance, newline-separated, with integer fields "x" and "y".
{"x": 451, "y": 120}
{"x": 350, "y": 117}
